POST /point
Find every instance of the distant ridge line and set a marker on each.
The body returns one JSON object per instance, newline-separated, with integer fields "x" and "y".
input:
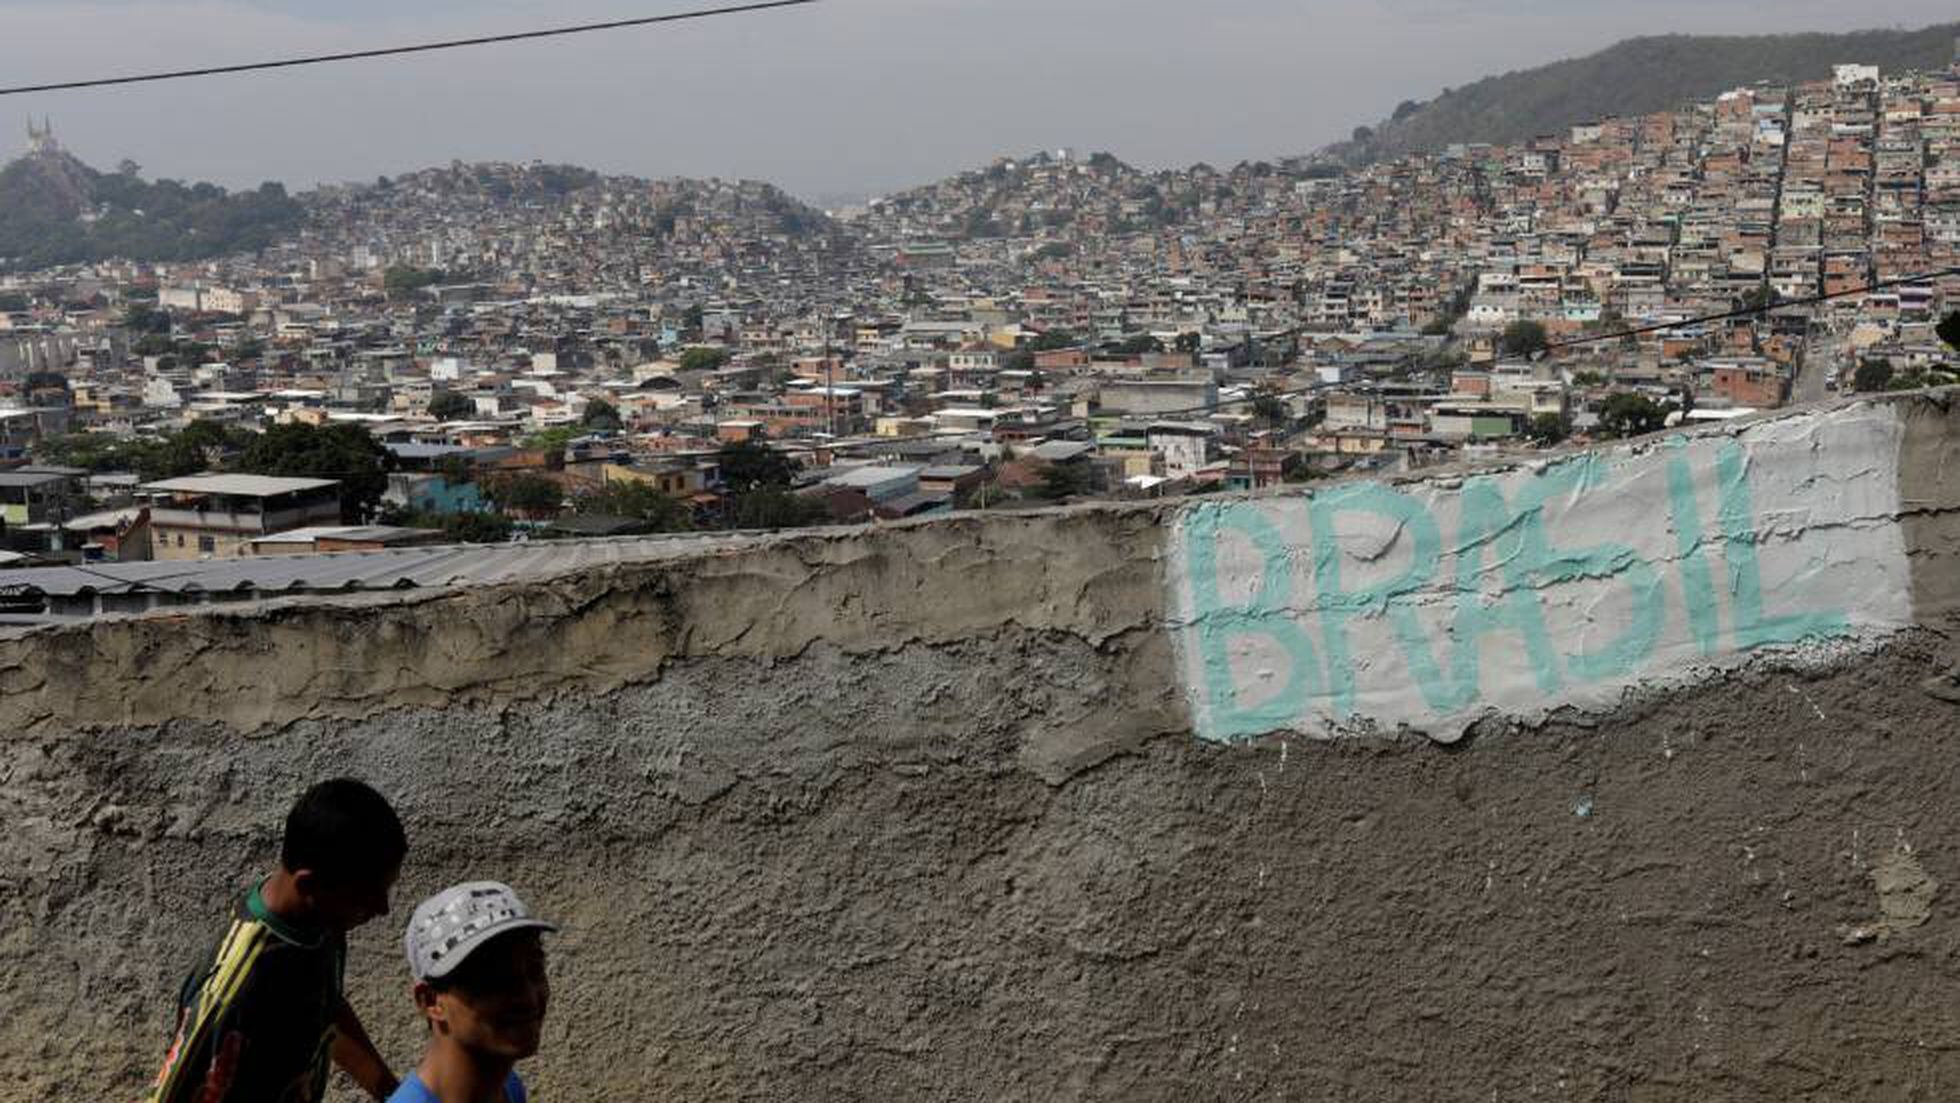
{"x": 1635, "y": 76}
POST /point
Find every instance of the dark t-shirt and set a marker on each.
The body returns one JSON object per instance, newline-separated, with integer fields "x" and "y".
{"x": 256, "y": 1021}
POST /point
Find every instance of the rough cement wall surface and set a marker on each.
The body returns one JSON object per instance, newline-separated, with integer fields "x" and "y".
{"x": 925, "y": 812}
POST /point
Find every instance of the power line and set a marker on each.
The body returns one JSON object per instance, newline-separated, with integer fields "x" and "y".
{"x": 391, "y": 51}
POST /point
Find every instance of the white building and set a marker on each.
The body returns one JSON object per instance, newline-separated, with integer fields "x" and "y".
{"x": 1857, "y": 76}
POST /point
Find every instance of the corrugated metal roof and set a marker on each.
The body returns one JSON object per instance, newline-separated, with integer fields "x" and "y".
{"x": 395, "y": 568}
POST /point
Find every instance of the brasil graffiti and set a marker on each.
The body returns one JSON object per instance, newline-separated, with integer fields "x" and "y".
{"x": 1431, "y": 604}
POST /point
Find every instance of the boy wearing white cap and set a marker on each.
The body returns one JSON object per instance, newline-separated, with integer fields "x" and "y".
{"x": 478, "y": 963}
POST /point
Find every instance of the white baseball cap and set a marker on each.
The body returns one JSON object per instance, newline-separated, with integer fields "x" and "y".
{"x": 455, "y": 921}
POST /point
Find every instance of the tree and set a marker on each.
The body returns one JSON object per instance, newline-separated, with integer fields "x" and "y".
{"x": 601, "y": 416}
{"x": 1921, "y": 377}
{"x": 637, "y": 501}
{"x": 150, "y": 457}
{"x": 400, "y": 282}
{"x": 346, "y": 453}
{"x": 1949, "y": 330}
{"x": 1546, "y": 430}
{"x": 1632, "y": 415}
{"x": 1522, "y": 338}
{"x": 747, "y": 466}
{"x": 457, "y": 528}
{"x": 1052, "y": 340}
{"x": 1872, "y": 375}
{"x": 198, "y": 448}
{"x": 554, "y": 439}
{"x": 1141, "y": 344}
{"x": 1063, "y": 480}
{"x": 1192, "y": 343}
{"x": 1269, "y": 409}
{"x": 527, "y": 493}
{"x": 703, "y": 359}
{"x": 476, "y": 528}
{"x": 450, "y": 406}
{"x": 216, "y": 439}
{"x": 457, "y": 468}
{"x": 775, "y": 508}
{"x": 130, "y": 218}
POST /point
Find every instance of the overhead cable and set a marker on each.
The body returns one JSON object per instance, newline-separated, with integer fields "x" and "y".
{"x": 392, "y": 51}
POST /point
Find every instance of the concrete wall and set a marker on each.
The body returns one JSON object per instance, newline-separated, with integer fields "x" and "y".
{"x": 1624, "y": 776}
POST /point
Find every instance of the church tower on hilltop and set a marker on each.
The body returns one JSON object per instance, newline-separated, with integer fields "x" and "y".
{"x": 40, "y": 139}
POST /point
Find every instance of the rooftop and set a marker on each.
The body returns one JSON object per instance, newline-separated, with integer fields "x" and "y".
{"x": 870, "y": 476}
{"x": 245, "y": 486}
{"x": 29, "y": 478}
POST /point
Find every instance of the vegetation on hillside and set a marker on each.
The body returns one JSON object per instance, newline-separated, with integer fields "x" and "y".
{"x": 1635, "y": 77}
{"x": 56, "y": 210}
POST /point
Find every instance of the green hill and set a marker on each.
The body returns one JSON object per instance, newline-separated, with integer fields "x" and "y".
{"x": 56, "y": 210}
{"x": 1635, "y": 77}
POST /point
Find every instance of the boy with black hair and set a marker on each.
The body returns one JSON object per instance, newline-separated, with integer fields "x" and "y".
{"x": 480, "y": 985}
{"x": 259, "y": 1022}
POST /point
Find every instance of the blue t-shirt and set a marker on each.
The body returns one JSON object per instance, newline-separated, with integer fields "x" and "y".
{"x": 413, "y": 1090}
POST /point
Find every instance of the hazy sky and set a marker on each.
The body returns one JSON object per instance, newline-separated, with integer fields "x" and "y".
{"x": 844, "y": 96}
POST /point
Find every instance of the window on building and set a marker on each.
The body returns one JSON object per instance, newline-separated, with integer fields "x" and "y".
{"x": 206, "y": 545}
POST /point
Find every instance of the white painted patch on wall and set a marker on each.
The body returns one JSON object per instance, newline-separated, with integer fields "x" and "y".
{"x": 1431, "y": 605}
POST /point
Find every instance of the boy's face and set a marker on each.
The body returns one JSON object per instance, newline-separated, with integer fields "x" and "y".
{"x": 496, "y": 1001}
{"x": 344, "y": 904}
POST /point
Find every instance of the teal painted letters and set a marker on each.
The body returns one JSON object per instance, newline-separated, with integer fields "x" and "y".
{"x": 1507, "y": 563}
{"x": 1337, "y": 605}
{"x": 1267, "y": 614}
{"x": 1752, "y": 628}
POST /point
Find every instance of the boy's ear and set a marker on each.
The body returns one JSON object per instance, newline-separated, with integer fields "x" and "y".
{"x": 306, "y": 882}
{"x": 427, "y": 1004}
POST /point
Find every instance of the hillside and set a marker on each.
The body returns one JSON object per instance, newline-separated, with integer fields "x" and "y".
{"x": 56, "y": 210}
{"x": 1635, "y": 77}
{"x": 1043, "y": 195}
{"x": 496, "y": 192}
